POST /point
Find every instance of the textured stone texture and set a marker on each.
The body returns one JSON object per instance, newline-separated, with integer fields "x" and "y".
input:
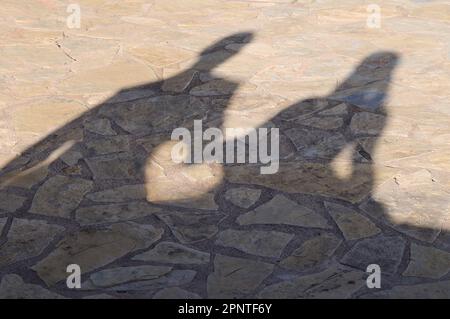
{"x": 236, "y": 277}
{"x": 91, "y": 249}
{"x": 87, "y": 176}
{"x": 281, "y": 210}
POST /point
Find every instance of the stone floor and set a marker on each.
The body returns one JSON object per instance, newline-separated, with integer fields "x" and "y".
{"x": 361, "y": 102}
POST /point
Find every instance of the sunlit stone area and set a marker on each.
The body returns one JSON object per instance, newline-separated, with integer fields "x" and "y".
{"x": 91, "y": 91}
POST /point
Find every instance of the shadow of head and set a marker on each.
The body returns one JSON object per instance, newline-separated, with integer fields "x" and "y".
{"x": 367, "y": 86}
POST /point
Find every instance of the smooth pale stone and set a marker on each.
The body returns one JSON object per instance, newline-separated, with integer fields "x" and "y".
{"x": 428, "y": 262}
{"x": 324, "y": 123}
{"x": 338, "y": 110}
{"x": 352, "y": 224}
{"x": 312, "y": 252}
{"x": 242, "y": 196}
{"x": 121, "y": 275}
{"x": 27, "y": 239}
{"x": 180, "y": 82}
{"x": 387, "y": 252}
{"x": 113, "y": 77}
{"x": 367, "y": 123}
{"x": 173, "y": 253}
{"x": 160, "y": 55}
{"x": 59, "y": 196}
{"x": 119, "y": 194}
{"x": 175, "y": 293}
{"x": 335, "y": 282}
{"x": 412, "y": 203}
{"x": 99, "y": 214}
{"x": 281, "y": 210}
{"x": 43, "y": 117}
{"x": 236, "y": 277}
{"x": 190, "y": 227}
{"x": 93, "y": 248}
{"x": 10, "y": 202}
{"x": 12, "y": 286}
{"x": 171, "y": 279}
{"x": 262, "y": 243}
{"x": 99, "y": 126}
{"x": 214, "y": 87}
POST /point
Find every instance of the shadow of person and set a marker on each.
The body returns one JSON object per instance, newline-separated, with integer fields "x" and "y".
{"x": 110, "y": 144}
{"x": 121, "y": 152}
{"x": 332, "y": 137}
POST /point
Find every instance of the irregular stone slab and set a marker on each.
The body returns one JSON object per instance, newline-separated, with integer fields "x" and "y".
{"x": 175, "y": 293}
{"x": 192, "y": 227}
{"x": 427, "y": 262}
{"x": 298, "y": 177}
{"x": 121, "y": 275}
{"x": 338, "y": 110}
{"x": 108, "y": 145}
{"x": 44, "y": 116}
{"x": 10, "y": 202}
{"x": 324, "y": 123}
{"x": 91, "y": 249}
{"x": 214, "y": 87}
{"x": 242, "y": 196}
{"x": 413, "y": 204}
{"x": 316, "y": 143}
{"x": 281, "y": 210}
{"x": 262, "y": 243}
{"x": 13, "y": 287}
{"x": 173, "y": 253}
{"x": 384, "y": 251}
{"x": 335, "y": 282}
{"x": 71, "y": 157}
{"x": 114, "y": 166}
{"x": 119, "y": 194}
{"x": 172, "y": 279}
{"x": 352, "y": 224}
{"x": 435, "y": 290}
{"x": 180, "y": 82}
{"x": 26, "y": 239}
{"x": 99, "y": 214}
{"x": 236, "y": 277}
{"x": 130, "y": 95}
{"x": 365, "y": 123}
{"x": 312, "y": 252}
{"x": 148, "y": 115}
{"x": 99, "y": 126}
{"x": 59, "y": 196}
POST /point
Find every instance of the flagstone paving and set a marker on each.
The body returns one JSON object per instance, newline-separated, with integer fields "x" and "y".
{"x": 85, "y": 151}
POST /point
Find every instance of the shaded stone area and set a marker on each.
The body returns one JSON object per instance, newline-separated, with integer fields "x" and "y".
{"x": 86, "y": 169}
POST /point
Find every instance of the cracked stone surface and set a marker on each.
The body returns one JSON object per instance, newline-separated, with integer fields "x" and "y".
{"x": 86, "y": 170}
